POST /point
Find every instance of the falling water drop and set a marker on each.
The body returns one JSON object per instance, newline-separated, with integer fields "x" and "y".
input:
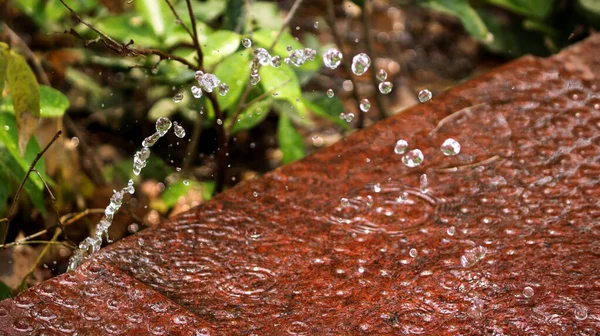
{"x": 401, "y": 147}
{"x": 178, "y": 130}
{"x": 163, "y": 125}
{"x": 450, "y": 147}
{"x": 365, "y": 105}
{"x": 186, "y": 182}
{"x": 317, "y": 141}
{"x": 178, "y": 98}
{"x": 276, "y": 61}
{"x": 345, "y": 202}
{"x": 330, "y": 93}
{"x": 263, "y": 56}
{"x": 413, "y": 158}
{"x": 254, "y": 79}
{"x": 385, "y": 87}
{"x": 247, "y": 43}
{"x": 424, "y": 183}
{"x": 360, "y": 64}
{"x": 332, "y": 58}
{"x": 196, "y": 91}
{"x": 316, "y": 25}
{"x": 382, "y": 75}
{"x": 451, "y": 231}
{"x": 425, "y": 95}
{"x": 208, "y": 82}
{"x": 223, "y": 89}
{"x": 150, "y": 140}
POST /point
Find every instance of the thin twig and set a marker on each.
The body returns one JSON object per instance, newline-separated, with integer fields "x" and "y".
{"x": 287, "y": 20}
{"x": 13, "y": 206}
{"x": 367, "y": 12}
{"x": 68, "y": 220}
{"x": 195, "y": 36}
{"x": 466, "y": 167}
{"x": 452, "y": 116}
{"x": 345, "y": 65}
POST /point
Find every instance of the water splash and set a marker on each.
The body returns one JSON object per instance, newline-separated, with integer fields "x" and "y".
{"x": 262, "y": 56}
{"x": 360, "y": 64}
{"x": 473, "y": 256}
{"x": 300, "y": 56}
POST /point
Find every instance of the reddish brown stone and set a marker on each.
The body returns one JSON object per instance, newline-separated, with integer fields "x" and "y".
{"x": 282, "y": 255}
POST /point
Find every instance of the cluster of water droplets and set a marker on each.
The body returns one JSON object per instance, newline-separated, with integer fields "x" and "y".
{"x": 413, "y": 158}
{"x": 385, "y": 86}
{"x": 298, "y": 57}
{"x": 92, "y": 244}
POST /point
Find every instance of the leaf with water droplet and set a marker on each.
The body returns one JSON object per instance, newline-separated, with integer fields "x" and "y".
{"x": 218, "y": 46}
{"x": 235, "y": 71}
{"x": 290, "y": 141}
{"x": 284, "y": 82}
{"x": 325, "y": 107}
{"x": 25, "y": 93}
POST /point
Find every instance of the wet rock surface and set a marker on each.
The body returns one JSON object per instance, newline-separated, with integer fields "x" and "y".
{"x": 506, "y": 240}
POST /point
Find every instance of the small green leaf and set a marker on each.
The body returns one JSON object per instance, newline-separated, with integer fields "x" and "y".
{"x": 25, "y": 92}
{"x": 233, "y": 71}
{"x": 328, "y": 108}
{"x": 283, "y": 83}
{"x": 465, "y": 13}
{"x": 538, "y": 9}
{"x": 53, "y": 102}
{"x": 252, "y": 116}
{"x": 178, "y": 188}
{"x": 290, "y": 141}
{"x": 127, "y": 27}
{"x": 5, "y": 291}
{"x": 219, "y": 45}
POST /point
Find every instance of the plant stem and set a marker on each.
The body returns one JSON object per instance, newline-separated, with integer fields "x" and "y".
{"x": 13, "y": 206}
{"x": 366, "y": 16}
{"x": 193, "y": 145}
{"x": 345, "y": 65}
{"x": 195, "y": 36}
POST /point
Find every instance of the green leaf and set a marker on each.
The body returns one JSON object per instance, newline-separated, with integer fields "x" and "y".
{"x": 5, "y": 291}
{"x": 264, "y": 9}
{"x": 219, "y": 45}
{"x": 53, "y": 102}
{"x": 264, "y": 38}
{"x": 465, "y": 13}
{"x": 234, "y": 71}
{"x": 590, "y": 10}
{"x": 234, "y": 13}
{"x": 205, "y": 11}
{"x": 290, "y": 141}
{"x": 12, "y": 161}
{"x": 325, "y": 107}
{"x": 252, "y": 116}
{"x": 25, "y": 92}
{"x": 154, "y": 12}
{"x": 283, "y": 83}
{"x": 511, "y": 39}
{"x": 177, "y": 189}
{"x": 126, "y": 27}
{"x": 531, "y": 8}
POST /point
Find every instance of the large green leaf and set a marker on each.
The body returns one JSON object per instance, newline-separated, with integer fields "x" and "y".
{"x": 234, "y": 71}
{"x": 328, "y": 108}
{"x": 530, "y": 8}
{"x": 252, "y": 116}
{"x": 465, "y": 13}
{"x": 219, "y": 45}
{"x": 5, "y": 291}
{"x": 154, "y": 12}
{"x": 178, "y": 188}
{"x": 283, "y": 83}
{"x": 25, "y": 93}
{"x": 290, "y": 141}
{"x": 53, "y": 102}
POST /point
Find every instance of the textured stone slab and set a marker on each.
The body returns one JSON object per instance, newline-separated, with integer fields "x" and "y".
{"x": 344, "y": 242}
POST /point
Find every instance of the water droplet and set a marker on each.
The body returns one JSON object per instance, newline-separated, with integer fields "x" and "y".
{"x": 263, "y": 56}
{"x": 289, "y": 48}
{"x": 6, "y": 128}
{"x": 196, "y": 91}
{"x": 255, "y": 194}
{"x": 163, "y": 125}
{"x": 247, "y": 43}
{"x": 425, "y": 95}
{"x": 385, "y": 87}
{"x": 208, "y": 82}
{"x": 332, "y": 58}
{"x": 178, "y": 98}
{"x": 198, "y": 75}
{"x": 74, "y": 141}
{"x": 317, "y": 141}
{"x": 473, "y": 256}
{"x": 381, "y": 75}
{"x": 254, "y": 79}
{"x": 360, "y": 64}
{"x": 377, "y": 188}
{"x": 186, "y": 182}
{"x": 219, "y": 121}
{"x": 369, "y": 201}
{"x": 365, "y": 105}
{"x": 528, "y": 292}
{"x": 345, "y": 202}
{"x": 151, "y": 140}
{"x": 451, "y": 231}
{"x": 178, "y": 130}
{"x": 580, "y": 313}
{"x": 413, "y": 253}
{"x": 330, "y": 93}
{"x": 450, "y": 147}
{"x": 223, "y": 89}
{"x": 424, "y": 183}
{"x": 413, "y": 158}
{"x": 316, "y": 25}
{"x": 401, "y": 147}
{"x": 276, "y": 61}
